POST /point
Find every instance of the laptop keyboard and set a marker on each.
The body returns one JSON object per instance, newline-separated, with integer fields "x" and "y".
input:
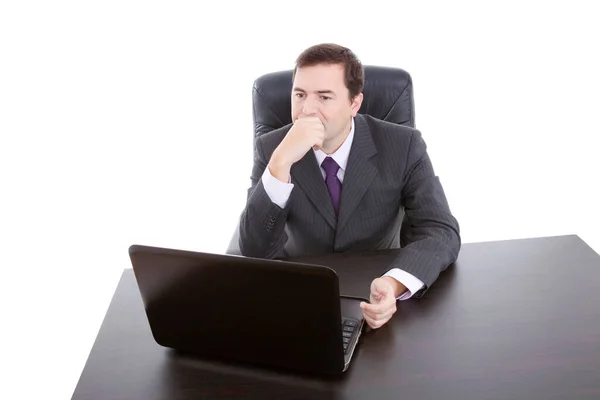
{"x": 348, "y": 327}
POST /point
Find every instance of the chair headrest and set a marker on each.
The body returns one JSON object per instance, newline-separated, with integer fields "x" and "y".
{"x": 387, "y": 95}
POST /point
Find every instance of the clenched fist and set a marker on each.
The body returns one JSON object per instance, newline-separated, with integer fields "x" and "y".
{"x": 305, "y": 134}
{"x": 382, "y": 304}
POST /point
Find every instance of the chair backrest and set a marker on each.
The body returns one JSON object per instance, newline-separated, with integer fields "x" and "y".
{"x": 388, "y": 95}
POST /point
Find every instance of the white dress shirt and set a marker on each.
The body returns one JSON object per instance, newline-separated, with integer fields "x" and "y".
{"x": 279, "y": 193}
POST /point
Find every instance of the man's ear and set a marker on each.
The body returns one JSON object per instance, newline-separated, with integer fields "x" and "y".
{"x": 356, "y": 103}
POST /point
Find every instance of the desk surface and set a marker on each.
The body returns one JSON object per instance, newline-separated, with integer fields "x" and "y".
{"x": 511, "y": 319}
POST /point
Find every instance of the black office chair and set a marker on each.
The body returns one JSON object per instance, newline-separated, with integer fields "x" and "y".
{"x": 388, "y": 95}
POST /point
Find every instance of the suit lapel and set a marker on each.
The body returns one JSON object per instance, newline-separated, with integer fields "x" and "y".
{"x": 307, "y": 175}
{"x": 360, "y": 172}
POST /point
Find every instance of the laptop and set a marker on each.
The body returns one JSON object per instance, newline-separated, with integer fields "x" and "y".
{"x": 274, "y": 313}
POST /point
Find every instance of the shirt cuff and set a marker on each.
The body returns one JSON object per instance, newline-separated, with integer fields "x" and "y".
{"x": 412, "y": 283}
{"x": 279, "y": 192}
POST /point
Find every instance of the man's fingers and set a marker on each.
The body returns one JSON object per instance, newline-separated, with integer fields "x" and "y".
{"x": 381, "y": 316}
{"x": 375, "y": 297}
{"x": 384, "y": 316}
{"x": 373, "y": 323}
{"x": 319, "y": 141}
{"x": 382, "y": 306}
{"x": 313, "y": 121}
{"x": 381, "y": 291}
{"x": 378, "y": 310}
{"x": 381, "y": 287}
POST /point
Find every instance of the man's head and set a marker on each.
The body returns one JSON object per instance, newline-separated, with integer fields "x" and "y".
{"x": 328, "y": 83}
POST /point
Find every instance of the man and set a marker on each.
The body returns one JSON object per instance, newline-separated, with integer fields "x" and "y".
{"x": 335, "y": 181}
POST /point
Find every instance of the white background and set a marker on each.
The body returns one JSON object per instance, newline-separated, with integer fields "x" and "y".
{"x": 130, "y": 122}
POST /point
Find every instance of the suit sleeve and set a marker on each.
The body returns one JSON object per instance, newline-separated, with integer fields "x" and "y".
{"x": 430, "y": 234}
{"x": 262, "y": 222}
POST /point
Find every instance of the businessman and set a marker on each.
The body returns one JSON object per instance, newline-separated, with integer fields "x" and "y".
{"x": 336, "y": 181}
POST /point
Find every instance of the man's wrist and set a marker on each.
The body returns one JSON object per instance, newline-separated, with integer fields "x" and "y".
{"x": 398, "y": 287}
{"x": 279, "y": 169}
{"x": 282, "y": 174}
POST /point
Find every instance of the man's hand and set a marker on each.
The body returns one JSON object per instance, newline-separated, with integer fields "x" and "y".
{"x": 382, "y": 301}
{"x": 307, "y": 132}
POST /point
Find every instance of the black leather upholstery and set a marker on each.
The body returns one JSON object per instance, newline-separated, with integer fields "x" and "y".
{"x": 388, "y": 95}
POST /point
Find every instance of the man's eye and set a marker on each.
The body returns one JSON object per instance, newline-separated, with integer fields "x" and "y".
{"x": 325, "y": 97}
{"x": 299, "y": 95}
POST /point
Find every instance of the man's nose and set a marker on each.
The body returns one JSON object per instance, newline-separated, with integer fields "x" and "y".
{"x": 310, "y": 107}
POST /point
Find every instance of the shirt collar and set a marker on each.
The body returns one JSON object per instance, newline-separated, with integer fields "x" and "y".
{"x": 340, "y": 156}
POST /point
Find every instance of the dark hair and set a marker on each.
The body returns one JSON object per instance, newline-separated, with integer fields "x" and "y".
{"x": 329, "y": 53}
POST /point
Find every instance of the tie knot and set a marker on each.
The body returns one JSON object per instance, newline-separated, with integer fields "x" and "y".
{"x": 330, "y": 166}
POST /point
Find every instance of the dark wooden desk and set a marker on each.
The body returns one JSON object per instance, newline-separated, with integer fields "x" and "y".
{"x": 516, "y": 319}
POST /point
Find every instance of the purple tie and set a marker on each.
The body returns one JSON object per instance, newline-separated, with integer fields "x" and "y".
{"x": 333, "y": 183}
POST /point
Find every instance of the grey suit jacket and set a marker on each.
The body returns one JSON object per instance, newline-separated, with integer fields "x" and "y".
{"x": 390, "y": 198}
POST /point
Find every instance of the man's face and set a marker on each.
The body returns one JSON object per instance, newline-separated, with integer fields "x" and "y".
{"x": 320, "y": 91}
